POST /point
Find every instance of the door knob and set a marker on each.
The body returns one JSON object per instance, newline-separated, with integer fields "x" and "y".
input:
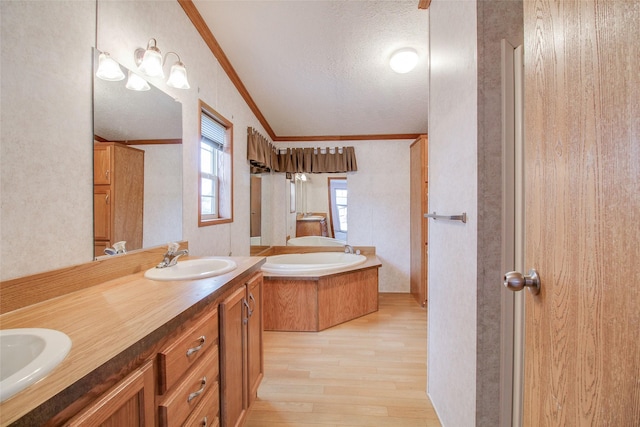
{"x": 516, "y": 281}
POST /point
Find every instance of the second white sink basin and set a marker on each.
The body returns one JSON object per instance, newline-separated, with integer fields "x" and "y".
{"x": 191, "y": 269}
{"x": 27, "y": 355}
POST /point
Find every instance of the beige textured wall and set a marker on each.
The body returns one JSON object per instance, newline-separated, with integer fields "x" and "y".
{"x": 46, "y": 214}
{"x": 453, "y": 172}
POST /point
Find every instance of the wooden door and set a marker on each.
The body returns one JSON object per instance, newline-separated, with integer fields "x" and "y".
{"x": 582, "y": 209}
{"x": 256, "y": 206}
{"x": 418, "y": 189}
{"x": 128, "y": 196}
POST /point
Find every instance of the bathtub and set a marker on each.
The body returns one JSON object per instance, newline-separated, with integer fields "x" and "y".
{"x": 315, "y": 241}
{"x": 310, "y": 292}
{"x": 310, "y": 263}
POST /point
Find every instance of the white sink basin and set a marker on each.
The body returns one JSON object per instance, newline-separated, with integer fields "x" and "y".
{"x": 27, "y": 355}
{"x": 192, "y": 269}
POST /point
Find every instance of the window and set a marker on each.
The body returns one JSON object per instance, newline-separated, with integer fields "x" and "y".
{"x": 215, "y": 182}
{"x": 338, "y": 203}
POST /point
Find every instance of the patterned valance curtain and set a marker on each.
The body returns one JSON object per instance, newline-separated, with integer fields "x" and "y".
{"x": 261, "y": 153}
{"x": 264, "y": 157}
{"x": 317, "y": 160}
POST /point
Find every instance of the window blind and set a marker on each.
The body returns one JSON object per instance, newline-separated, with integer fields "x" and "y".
{"x": 212, "y": 132}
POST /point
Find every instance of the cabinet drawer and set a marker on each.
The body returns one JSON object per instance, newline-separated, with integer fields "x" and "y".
{"x": 180, "y": 401}
{"x": 206, "y": 413}
{"x": 176, "y": 359}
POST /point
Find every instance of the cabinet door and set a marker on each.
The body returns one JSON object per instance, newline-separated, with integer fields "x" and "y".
{"x": 128, "y": 403}
{"x": 102, "y": 214}
{"x": 255, "y": 362}
{"x": 101, "y": 164}
{"x": 233, "y": 373}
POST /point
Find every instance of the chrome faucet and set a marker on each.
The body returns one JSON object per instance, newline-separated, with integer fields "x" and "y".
{"x": 348, "y": 249}
{"x": 172, "y": 255}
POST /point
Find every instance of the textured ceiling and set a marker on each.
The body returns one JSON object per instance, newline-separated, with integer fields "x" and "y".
{"x": 320, "y": 68}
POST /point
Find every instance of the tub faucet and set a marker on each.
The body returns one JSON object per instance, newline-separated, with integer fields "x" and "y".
{"x": 348, "y": 249}
{"x": 172, "y": 255}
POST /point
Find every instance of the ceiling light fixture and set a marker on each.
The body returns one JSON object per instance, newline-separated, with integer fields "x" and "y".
{"x": 108, "y": 68}
{"x": 404, "y": 60}
{"x": 150, "y": 63}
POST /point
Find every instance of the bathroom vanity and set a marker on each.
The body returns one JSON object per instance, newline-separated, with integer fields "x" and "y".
{"x": 314, "y": 224}
{"x": 145, "y": 352}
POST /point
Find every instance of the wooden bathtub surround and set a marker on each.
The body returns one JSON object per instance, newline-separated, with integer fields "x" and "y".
{"x": 315, "y": 303}
{"x": 117, "y": 329}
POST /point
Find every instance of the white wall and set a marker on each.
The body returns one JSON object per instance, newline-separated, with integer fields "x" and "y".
{"x": 162, "y": 193}
{"x": 46, "y": 136}
{"x": 453, "y": 130}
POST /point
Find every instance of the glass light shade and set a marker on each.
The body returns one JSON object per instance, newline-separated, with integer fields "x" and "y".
{"x": 135, "y": 82}
{"x": 108, "y": 68}
{"x": 151, "y": 64}
{"x": 404, "y": 60}
{"x": 178, "y": 76}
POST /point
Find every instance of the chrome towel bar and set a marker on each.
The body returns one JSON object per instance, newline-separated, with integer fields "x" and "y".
{"x": 462, "y": 217}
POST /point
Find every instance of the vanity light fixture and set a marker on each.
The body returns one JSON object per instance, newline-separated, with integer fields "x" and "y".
{"x": 149, "y": 60}
{"x": 108, "y": 68}
{"x": 404, "y": 60}
{"x": 136, "y": 82}
{"x": 178, "y": 74}
{"x": 150, "y": 63}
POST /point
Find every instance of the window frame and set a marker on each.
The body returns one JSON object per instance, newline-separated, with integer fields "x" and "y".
{"x": 224, "y": 196}
{"x": 333, "y": 184}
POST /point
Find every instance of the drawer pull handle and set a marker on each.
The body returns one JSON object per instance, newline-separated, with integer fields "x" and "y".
{"x": 197, "y": 348}
{"x": 199, "y": 392}
{"x": 205, "y": 422}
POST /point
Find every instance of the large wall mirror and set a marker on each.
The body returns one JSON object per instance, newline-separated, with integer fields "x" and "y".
{"x": 323, "y": 194}
{"x": 150, "y": 121}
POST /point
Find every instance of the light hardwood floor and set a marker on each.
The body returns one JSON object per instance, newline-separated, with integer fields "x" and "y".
{"x": 369, "y": 372}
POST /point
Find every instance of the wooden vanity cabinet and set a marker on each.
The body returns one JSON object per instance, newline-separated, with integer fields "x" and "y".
{"x": 312, "y": 227}
{"x": 129, "y": 403}
{"x": 241, "y": 361}
{"x": 255, "y": 327}
{"x": 118, "y": 195}
{"x": 188, "y": 375}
